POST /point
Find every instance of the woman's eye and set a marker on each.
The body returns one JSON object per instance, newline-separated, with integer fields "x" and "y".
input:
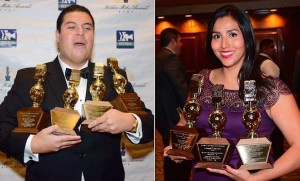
{"x": 216, "y": 36}
{"x": 233, "y": 35}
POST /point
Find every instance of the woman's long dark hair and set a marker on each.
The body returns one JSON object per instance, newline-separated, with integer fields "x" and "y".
{"x": 250, "y": 70}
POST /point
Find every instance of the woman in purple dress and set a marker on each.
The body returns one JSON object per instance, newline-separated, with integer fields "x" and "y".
{"x": 230, "y": 39}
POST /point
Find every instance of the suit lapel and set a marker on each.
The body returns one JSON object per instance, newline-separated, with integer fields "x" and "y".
{"x": 90, "y": 80}
{"x": 56, "y": 81}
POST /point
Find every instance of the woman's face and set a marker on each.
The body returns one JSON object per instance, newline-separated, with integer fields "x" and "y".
{"x": 228, "y": 42}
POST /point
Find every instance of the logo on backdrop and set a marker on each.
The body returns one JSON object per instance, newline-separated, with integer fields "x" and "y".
{"x": 62, "y": 4}
{"x": 8, "y": 38}
{"x": 125, "y": 39}
{"x": 5, "y": 81}
{"x": 127, "y": 6}
{"x": 12, "y": 5}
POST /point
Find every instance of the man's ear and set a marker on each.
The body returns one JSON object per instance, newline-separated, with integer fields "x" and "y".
{"x": 57, "y": 36}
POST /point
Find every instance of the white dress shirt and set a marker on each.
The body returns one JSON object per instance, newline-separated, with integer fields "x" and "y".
{"x": 268, "y": 67}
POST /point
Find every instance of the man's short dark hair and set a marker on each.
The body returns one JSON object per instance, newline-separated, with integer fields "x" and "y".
{"x": 167, "y": 35}
{"x": 265, "y": 43}
{"x": 69, "y": 9}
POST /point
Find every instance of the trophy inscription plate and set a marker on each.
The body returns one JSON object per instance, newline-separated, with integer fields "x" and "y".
{"x": 33, "y": 119}
{"x": 253, "y": 150}
{"x": 214, "y": 152}
{"x": 66, "y": 118}
{"x": 182, "y": 141}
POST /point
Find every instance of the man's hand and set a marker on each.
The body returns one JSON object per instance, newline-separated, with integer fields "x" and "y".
{"x": 45, "y": 141}
{"x": 113, "y": 121}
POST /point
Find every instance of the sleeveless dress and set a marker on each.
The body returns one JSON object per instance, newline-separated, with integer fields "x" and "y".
{"x": 234, "y": 129}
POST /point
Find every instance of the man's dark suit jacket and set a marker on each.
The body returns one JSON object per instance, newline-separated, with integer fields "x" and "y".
{"x": 97, "y": 156}
{"x": 171, "y": 89}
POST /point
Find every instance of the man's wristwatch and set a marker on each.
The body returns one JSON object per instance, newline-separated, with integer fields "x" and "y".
{"x": 134, "y": 126}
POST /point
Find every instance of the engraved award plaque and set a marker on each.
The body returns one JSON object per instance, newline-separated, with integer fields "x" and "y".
{"x": 66, "y": 118}
{"x": 33, "y": 119}
{"x": 184, "y": 138}
{"x": 254, "y": 150}
{"x": 125, "y": 102}
{"x": 214, "y": 152}
{"x": 96, "y": 107}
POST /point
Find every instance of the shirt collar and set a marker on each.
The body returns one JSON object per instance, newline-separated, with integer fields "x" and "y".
{"x": 265, "y": 55}
{"x": 170, "y": 50}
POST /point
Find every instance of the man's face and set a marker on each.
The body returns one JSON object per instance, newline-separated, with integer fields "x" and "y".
{"x": 271, "y": 50}
{"x": 76, "y": 39}
{"x": 177, "y": 45}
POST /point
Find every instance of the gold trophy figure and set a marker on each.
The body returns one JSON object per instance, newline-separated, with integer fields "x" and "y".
{"x": 66, "y": 118}
{"x": 33, "y": 119}
{"x": 125, "y": 102}
{"x": 184, "y": 138}
{"x": 214, "y": 152}
{"x": 254, "y": 150}
{"x": 96, "y": 107}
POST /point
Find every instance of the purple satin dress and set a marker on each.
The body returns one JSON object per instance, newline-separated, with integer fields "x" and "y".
{"x": 234, "y": 128}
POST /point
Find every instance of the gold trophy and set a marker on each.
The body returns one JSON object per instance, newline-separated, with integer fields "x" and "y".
{"x": 214, "y": 152}
{"x": 184, "y": 138}
{"x": 125, "y": 102}
{"x": 33, "y": 119}
{"x": 66, "y": 118}
{"x": 96, "y": 107}
{"x": 254, "y": 151}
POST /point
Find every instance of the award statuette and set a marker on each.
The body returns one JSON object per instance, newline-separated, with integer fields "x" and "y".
{"x": 184, "y": 138}
{"x": 33, "y": 119}
{"x": 254, "y": 151}
{"x": 66, "y": 118}
{"x": 214, "y": 152}
{"x": 96, "y": 107}
{"x": 125, "y": 102}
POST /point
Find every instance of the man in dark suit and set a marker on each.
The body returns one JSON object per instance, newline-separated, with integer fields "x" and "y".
{"x": 267, "y": 52}
{"x": 171, "y": 89}
{"x": 93, "y": 155}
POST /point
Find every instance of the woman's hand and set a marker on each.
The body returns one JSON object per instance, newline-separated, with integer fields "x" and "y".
{"x": 176, "y": 159}
{"x": 235, "y": 174}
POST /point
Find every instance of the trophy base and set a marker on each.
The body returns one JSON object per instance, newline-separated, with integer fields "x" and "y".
{"x": 31, "y": 120}
{"x": 183, "y": 140}
{"x": 256, "y": 166}
{"x": 128, "y": 102}
{"x": 65, "y": 119}
{"x": 215, "y": 165}
{"x": 84, "y": 126}
{"x": 178, "y": 152}
{"x": 26, "y": 130}
{"x": 93, "y": 110}
{"x": 254, "y": 153}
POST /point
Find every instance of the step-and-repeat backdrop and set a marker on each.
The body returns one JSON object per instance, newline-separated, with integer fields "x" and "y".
{"x": 124, "y": 30}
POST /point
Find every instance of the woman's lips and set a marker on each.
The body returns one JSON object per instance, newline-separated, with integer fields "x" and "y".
{"x": 226, "y": 54}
